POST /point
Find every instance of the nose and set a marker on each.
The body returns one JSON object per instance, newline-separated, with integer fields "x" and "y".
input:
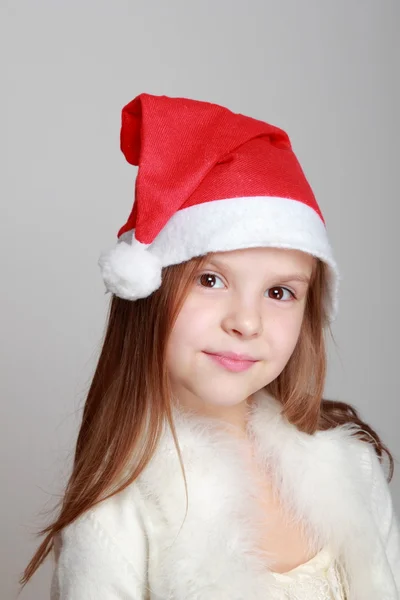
{"x": 243, "y": 320}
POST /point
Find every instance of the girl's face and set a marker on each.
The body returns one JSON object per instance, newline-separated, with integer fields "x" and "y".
{"x": 238, "y": 326}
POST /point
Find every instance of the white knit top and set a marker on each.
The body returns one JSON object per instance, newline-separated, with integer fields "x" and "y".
{"x": 320, "y": 578}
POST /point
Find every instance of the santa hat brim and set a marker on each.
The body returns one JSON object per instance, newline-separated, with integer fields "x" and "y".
{"x": 133, "y": 270}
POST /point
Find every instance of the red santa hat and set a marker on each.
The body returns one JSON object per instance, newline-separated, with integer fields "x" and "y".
{"x": 209, "y": 180}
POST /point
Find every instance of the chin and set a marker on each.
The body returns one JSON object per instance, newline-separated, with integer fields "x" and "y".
{"x": 226, "y": 394}
{"x": 224, "y": 400}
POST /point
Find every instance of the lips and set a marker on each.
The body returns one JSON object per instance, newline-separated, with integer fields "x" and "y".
{"x": 234, "y": 356}
{"x": 232, "y": 361}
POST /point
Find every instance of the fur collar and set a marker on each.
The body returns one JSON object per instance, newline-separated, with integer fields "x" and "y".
{"x": 209, "y": 552}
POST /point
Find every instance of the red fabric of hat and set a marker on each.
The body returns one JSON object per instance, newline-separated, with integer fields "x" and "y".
{"x": 189, "y": 152}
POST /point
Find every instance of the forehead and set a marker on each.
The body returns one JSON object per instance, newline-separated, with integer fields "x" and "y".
{"x": 275, "y": 261}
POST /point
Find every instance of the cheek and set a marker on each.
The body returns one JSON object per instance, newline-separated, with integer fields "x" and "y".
{"x": 188, "y": 337}
{"x": 283, "y": 333}
{"x": 194, "y": 319}
{"x": 190, "y": 331}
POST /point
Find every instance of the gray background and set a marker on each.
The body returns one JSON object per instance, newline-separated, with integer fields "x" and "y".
{"x": 327, "y": 72}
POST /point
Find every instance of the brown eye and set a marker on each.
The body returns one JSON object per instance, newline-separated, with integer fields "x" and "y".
{"x": 209, "y": 280}
{"x": 277, "y": 293}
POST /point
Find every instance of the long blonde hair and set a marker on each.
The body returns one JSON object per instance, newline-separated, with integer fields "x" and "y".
{"x": 129, "y": 398}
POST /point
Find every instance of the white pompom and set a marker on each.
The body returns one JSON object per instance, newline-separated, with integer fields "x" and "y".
{"x": 130, "y": 271}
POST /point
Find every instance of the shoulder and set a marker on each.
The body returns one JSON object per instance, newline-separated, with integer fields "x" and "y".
{"x": 372, "y": 477}
{"x": 363, "y": 458}
{"x": 115, "y": 521}
{"x": 373, "y": 470}
{"x": 354, "y": 462}
{"x": 104, "y": 548}
{"x": 380, "y": 497}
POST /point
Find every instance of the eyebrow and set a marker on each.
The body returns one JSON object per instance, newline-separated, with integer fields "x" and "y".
{"x": 294, "y": 277}
{"x": 301, "y": 278}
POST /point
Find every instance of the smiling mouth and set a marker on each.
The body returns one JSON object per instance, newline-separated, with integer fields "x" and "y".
{"x": 234, "y": 363}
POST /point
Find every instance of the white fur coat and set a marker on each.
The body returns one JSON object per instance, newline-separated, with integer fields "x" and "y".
{"x": 140, "y": 544}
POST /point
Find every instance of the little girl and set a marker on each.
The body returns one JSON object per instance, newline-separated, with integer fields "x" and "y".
{"x": 208, "y": 466}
